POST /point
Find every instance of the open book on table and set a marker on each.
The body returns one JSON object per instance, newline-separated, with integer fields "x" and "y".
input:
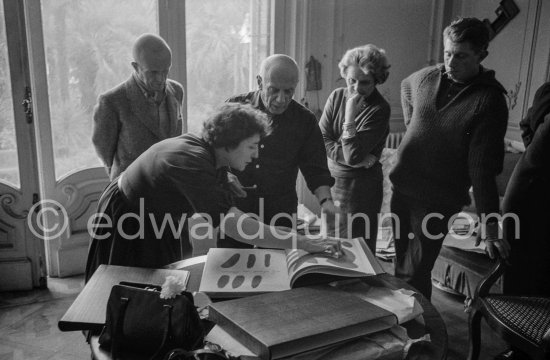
{"x": 243, "y": 272}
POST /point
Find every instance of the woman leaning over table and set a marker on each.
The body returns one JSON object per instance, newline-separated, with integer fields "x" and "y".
{"x": 177, "y": 178}
{"x": 355, "y": 124}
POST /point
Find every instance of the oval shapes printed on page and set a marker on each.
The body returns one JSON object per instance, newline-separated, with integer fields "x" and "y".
{"x": 232, "y": 261}
{"x": 267, "y": 260}
{"x": 256, "y": 280}
{"x": 251, "y": 261}
{"x": 237, "y": 281}
{"x": 222, "y": 281}
{"x": 346, "y": 244}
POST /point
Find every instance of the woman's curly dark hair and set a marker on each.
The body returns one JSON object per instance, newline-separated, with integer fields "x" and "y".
{"x": 232, "y": 123}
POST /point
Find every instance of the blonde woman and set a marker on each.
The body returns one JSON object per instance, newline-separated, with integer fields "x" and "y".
{"x": 355, "y": 124}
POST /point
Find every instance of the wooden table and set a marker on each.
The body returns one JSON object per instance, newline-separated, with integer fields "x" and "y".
{"x": 88, "y": 310}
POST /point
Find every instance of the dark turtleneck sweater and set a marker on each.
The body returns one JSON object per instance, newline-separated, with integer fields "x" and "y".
{"x": 449, "y": 147}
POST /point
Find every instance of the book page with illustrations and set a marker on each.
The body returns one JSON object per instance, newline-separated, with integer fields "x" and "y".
{"x": 244, "y": 272}
{"x": 354, "y": 261}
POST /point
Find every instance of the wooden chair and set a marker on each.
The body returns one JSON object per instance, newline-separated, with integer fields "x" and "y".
{"x": 522, "y": 321}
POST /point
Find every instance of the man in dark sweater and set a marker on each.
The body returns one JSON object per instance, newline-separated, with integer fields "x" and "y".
{"x": 456, "y": 118}
{"x": 295, "y": 143}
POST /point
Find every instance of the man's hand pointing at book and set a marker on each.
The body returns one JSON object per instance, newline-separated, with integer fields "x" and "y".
{"x": 327, "y": 246}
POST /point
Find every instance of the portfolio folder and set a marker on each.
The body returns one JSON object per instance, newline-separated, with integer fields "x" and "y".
{"x": 280, "y": 324}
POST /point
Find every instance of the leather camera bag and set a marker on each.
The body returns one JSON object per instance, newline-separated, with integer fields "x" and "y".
{"x": 138, "y": 320}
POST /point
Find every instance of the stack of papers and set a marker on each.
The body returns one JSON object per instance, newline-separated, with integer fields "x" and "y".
{"x": 463, "y": 233}
{"x": 385, "y": 246}
{"x": 389, "y": 344}
{"x": 307, "y": 220}
{"x": 465, "y": 224}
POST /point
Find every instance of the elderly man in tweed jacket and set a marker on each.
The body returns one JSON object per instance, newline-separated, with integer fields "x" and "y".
{"x": 140, "y": 112}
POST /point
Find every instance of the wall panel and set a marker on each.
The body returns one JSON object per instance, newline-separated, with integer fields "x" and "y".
{"x": 513, "y": 53}
{"x": 402, "y": 28}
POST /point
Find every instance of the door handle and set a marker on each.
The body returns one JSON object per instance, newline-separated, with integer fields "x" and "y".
{"x": 27, "y": 105}
{"x": 35, "y": 199}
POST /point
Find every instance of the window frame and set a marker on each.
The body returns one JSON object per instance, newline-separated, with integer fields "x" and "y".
{"x": 172, "y": 29}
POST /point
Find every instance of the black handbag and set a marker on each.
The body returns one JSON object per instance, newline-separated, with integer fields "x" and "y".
{"x": 139, "y": 321}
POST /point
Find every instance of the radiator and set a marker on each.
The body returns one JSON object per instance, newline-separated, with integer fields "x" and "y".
{"x": 394, "y": 139}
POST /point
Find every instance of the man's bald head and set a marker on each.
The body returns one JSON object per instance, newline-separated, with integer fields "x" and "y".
{"x": 280, "y": 66}
{"x": 152, "y": 61}
{"x": 150, "y": 45}
{"x": 277, "y": 81}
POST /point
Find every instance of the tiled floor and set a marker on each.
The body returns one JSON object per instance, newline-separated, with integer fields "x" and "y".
{"x": 28, "y": 325}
